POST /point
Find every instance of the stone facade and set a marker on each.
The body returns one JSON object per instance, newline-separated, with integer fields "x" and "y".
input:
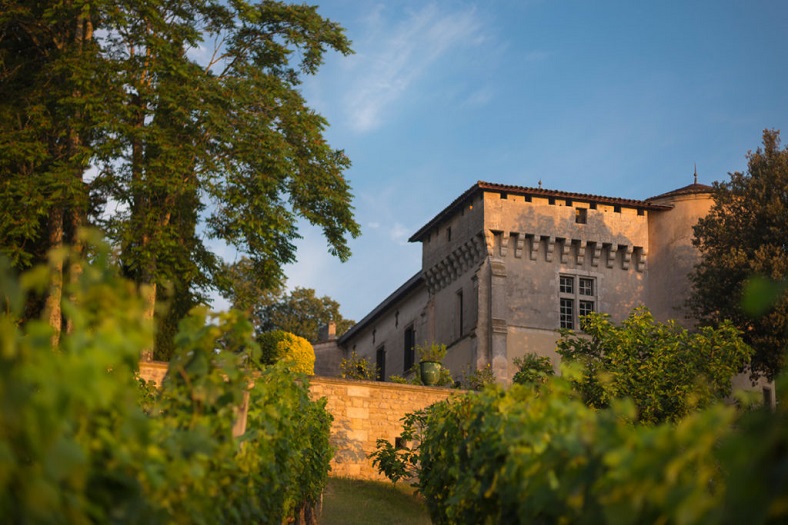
{"x": 504, "y": 267}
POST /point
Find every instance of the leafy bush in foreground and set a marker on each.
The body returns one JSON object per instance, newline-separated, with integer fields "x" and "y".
{"x": 539, "y": 454}
{"x": 83, "y": 441}
{"x": 666, "y": 370}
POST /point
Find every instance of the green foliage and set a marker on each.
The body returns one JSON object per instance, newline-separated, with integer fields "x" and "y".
{"x": 743, "y": 238}
{"x": 220, "y": 142}
{"x": 541, "y": 455}
{"x": 355, "y": 367}
{"x": 82, "y": 440}
{"x": 279, "y": 346}
{"x": 435, "y": 352}
{"x": 478, "y": 378}
{"x": 403, "y": 462}
{"x": 532, "y": 369}
{"x": 299, "y": 312}
{"x": 667, "y": 371}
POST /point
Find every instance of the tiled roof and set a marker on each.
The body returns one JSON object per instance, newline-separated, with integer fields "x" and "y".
{"x": 692, "y": 189}
{"x": 534, "y": 192}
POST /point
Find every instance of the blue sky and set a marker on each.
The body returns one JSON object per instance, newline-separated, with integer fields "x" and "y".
{"x": 617, "y": 98}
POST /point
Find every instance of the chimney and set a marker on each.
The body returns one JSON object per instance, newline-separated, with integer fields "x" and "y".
{"x": 327, "y": 332}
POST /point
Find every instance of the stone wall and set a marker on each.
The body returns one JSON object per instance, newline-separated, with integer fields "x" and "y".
{"x": 153, "y": 371}
{"x": 363, "y": 411}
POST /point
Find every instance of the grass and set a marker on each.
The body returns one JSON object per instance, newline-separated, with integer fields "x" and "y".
{"x": 351, "y": 502}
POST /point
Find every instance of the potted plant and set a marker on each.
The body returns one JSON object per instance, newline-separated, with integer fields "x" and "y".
{"x": 430, "y": 358}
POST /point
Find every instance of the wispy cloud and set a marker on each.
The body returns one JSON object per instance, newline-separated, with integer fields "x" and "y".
{"x": 392, "y": 59}
{"x": 399, "y": 233}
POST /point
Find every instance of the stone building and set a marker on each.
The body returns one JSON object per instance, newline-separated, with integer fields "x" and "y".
{"x": 504, "y": 267}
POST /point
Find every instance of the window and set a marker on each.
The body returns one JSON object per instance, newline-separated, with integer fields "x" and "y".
{"x": 567, "y": 284}
{"x": 380, "y": 361}
{"x": 576, "y": 298}
{"x": 410, "y": 348}
{"x": 448, "y": 233}
{"x": 581, "y": 215}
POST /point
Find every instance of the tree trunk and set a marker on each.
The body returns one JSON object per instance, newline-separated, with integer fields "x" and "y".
{"x": 52, "y": 307}
{"x": 77, "y": 214}
{"x": 75, "y": 261}
{"x": 148, "y": 291}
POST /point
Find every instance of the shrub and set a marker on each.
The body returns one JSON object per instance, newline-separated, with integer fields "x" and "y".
{"x": 359, "y": 368}
{"x": 667, "y": 371}
{"x": 433, "y": 353}
{"x": 82, "y": 440}
{"x": 478, "y": 378}
{"x": 539, "y": 454}
{"x": 279, "y": 345}
{"x": 532, "y": 369}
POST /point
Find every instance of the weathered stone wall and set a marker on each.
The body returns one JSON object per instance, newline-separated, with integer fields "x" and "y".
{"x": 153, "y": 371}
{"x": 363, "y": 411}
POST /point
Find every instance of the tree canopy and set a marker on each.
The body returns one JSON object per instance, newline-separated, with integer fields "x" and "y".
{"x": 745, "y": 237}
{"x": 191, "y": 118}
{"x": 667, "y": 371}
{"x": 301, "y": 312}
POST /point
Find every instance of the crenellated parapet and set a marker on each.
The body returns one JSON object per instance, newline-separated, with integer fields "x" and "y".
{"x": 533, "y": 247}
{"x": 464, "y": 257}
{"x": 575, "y": 251}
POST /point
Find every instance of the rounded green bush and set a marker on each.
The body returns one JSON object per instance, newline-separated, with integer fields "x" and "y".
{"x": 279, "y": 345}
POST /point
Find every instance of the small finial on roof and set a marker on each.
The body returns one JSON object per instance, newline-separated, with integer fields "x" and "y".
{"x": 696, "y": 172}
{"x": 540, "y": 184}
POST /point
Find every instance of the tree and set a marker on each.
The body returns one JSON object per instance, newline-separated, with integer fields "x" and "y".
{"x": 745, "y": 235}
{"x": 230, "y": 137}
{"x": 301, "y": 312}
{"x": 180, "y": 140}
{"x": 50, "y": 87}
{"x": 667, "y": 371}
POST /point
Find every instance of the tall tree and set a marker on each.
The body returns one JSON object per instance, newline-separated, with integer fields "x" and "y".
{"x": 302, "y": 313}
{"x": 182, "y": 140}
{"x": 744, "y": 235}
{"x": 230, "y": 136}
{"x": 50, "y": 85}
